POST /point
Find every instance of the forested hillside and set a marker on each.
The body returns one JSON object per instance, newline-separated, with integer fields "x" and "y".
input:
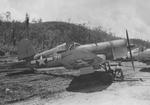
{"x": 45, "y": 35}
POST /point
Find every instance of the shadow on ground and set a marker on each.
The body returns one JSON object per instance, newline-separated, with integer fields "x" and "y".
{"x": 93, "y": 82}
{"x": 20, "y": 73}
{"x": 145, "y": 70}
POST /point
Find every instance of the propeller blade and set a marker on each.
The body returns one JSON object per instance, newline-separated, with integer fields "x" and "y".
{"x": 128, "y": 41}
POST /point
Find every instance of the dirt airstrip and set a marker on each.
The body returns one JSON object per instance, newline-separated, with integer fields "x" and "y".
{"x": 53, "y": 87}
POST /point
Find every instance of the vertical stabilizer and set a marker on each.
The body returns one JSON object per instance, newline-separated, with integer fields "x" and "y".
{"x": 25, "y": 49}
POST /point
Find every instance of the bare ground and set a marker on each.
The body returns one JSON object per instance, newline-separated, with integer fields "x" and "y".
{"x": 29, "y": 88}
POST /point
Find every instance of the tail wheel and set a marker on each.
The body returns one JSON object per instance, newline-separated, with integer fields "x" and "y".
{"x": 119, "y": 74}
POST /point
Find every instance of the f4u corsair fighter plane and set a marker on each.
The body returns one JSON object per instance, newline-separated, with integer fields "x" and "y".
{"x": 76, "y": 56}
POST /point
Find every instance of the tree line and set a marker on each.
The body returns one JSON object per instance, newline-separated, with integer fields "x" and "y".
{"x": 45, "y": 35}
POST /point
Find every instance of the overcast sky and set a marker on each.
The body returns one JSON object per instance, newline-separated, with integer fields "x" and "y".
{"x": 112, "y": 15}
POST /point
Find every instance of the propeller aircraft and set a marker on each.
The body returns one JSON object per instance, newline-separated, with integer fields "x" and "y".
{"x": 74, "y": 57}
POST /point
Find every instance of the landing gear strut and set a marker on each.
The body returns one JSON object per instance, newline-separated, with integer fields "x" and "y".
{"x": 119, "y": 74}
{"x": 116, "y": 73}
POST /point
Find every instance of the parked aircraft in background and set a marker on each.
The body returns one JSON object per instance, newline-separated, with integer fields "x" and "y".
{"x": 141, "y": 55}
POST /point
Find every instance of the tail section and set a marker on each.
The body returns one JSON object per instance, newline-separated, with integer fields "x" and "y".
{"x": 25, "y": 50}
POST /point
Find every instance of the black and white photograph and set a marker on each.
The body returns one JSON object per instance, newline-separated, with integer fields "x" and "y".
{"x": 74, "y": 52}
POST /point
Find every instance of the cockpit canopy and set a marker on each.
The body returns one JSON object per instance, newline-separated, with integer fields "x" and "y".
{"x": 73, "y": 45}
